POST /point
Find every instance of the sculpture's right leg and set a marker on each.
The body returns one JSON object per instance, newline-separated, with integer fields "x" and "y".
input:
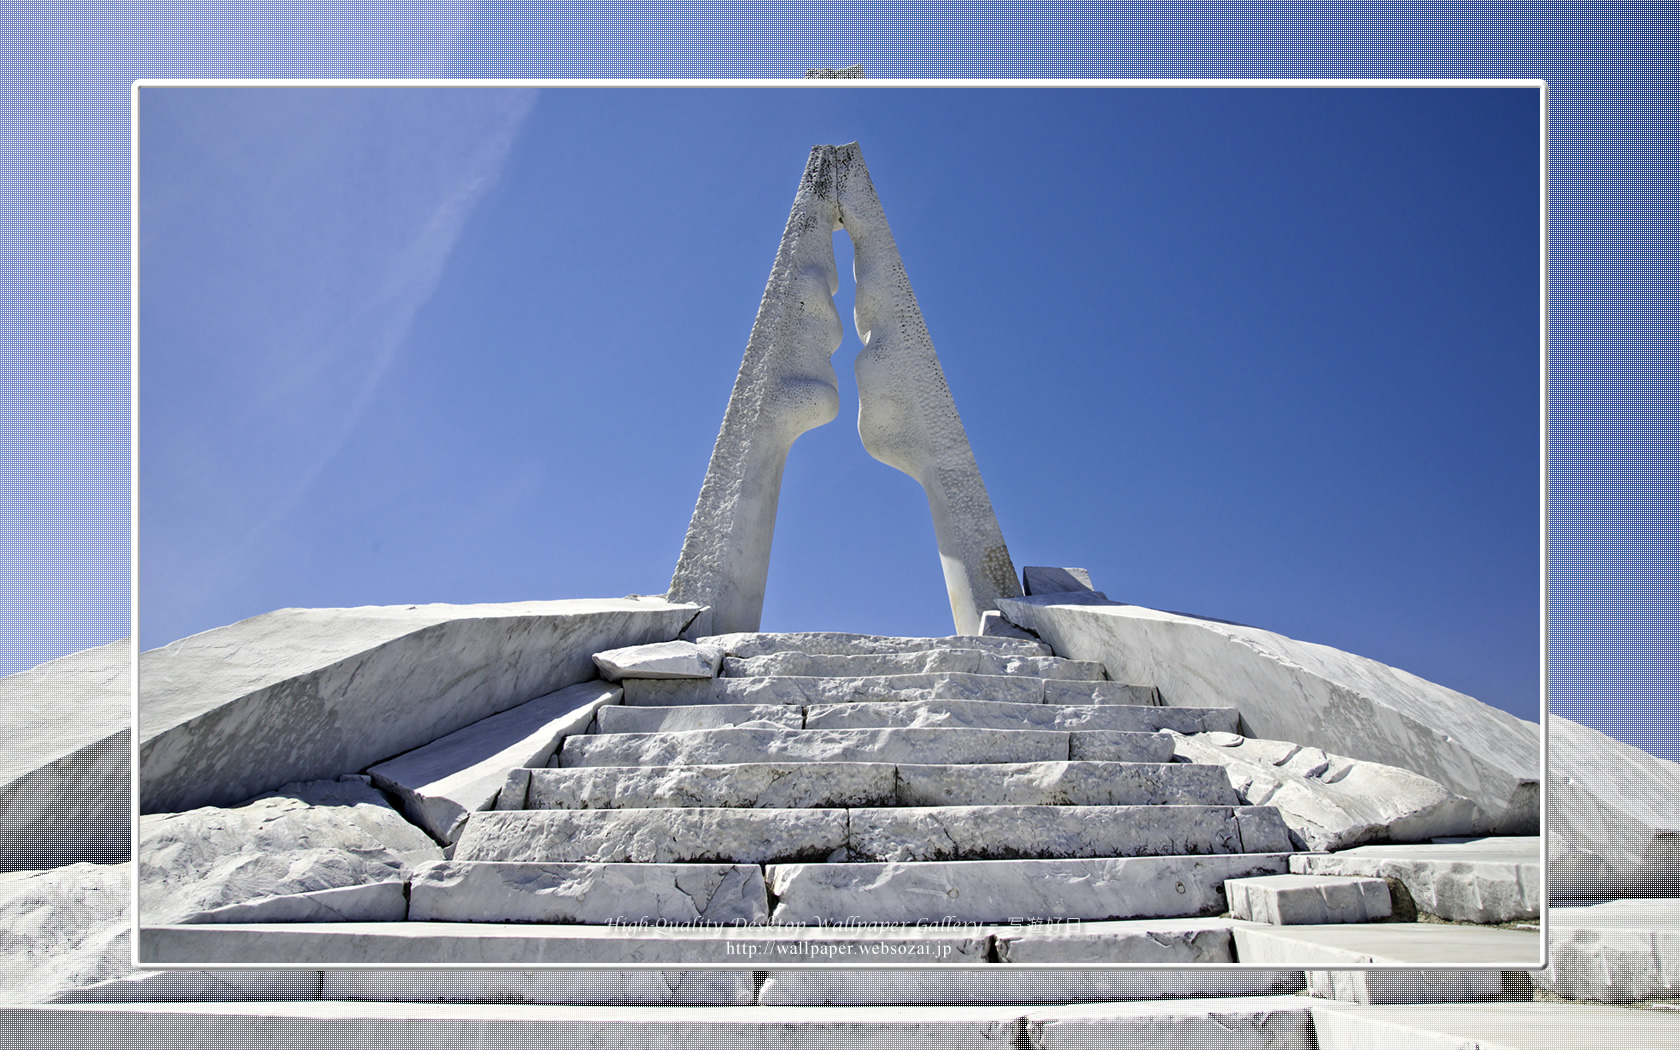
{"x": 786, "y": 386}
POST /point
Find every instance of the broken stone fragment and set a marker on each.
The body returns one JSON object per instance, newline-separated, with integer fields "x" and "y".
{"x": 660, "y": 660}
{"x": 1328, "y": 801}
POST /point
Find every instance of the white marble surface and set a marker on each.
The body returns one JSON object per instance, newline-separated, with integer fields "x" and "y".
{"x": 1063, "y": 784}
{"x": 307, "y": 694}
{"x": 719, "y": 746}
{"x": 677, "y": 659}
{"x": 837, "y": 643}
{"x": 996, "y": 714}
{"x": 1397, "y": 947}
{"x": 786, "y": 386}
{"x": 1312, "y": 695}
{"x": 1332, "y": 802}
{"x": 316, "y": 836}
{"x": 1296, "y": 900}
{"x": 1619, "y": 951}
{"x": 906, "y": 416}
{"x": 1614, "y": 817}
{"x": 587, "y": 987}
{"x": 932, "y": 661}
{"x": 557, "y": 892}
{"x": 64, "y": 782}
{"x": 443, "y": 781}
{"x": 1490, "y": 1026}
{"x": 1013, "y": 890}
{"x": 665, "y": 835}
{"x": 810, "y": 689}
{"x": 1485, "y": 880}
{"x": 753, "y": 785}
{"x": 1268, "y": 1022}
{"x": 1002, "y": 832}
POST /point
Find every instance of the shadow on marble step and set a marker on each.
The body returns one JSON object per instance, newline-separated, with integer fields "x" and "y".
{"x": 768, "y": 785}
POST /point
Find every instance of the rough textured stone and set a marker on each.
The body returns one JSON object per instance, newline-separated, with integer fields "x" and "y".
{"x": 1483, "y": 880}
{"x": 376, "y": 902}
{"x": 1012, "y": 890}
{"x": 1617, "y": 952}
{"x": 64, "y": 782}
{"x": 785, "y": 387}
{"x": 815, "y": 689}
{"x": 605, "y": 987}
{"x": 993, "y": 714}
{"x": 665, "y": 836}
{"x": 463, "y": 891}
{"x": 753, "y": 785}
{"x": 1395, "y": 945}
{"x": 906, "y": 417}
{"x": 306, "y": 837}
{"x": 1271, "y": 1022}
{"x": 719, "y": 746}
{"x": 1490, "y": 1026}
{"x": 1066, "y": 691}
{"x": 660, "y": 660}
{"x": 1042, "y": 579}
{"x": 1002, "y": 984}
{"x": 1328, "y": 801}
{"x": 1101, "y": 745}
{"x": 1063, "y": 784}
{"x": 1614, "y": 817}
{"x": 307, "y": 694}
{"x": 1312, "y": 695}
{"x": 442, "y": 782}
{"x": 63, "y": 929}
{"x": 835, "y": 643}
{"x": 932, "y": 661}
{"x": 709, "y": 716}
{"x": 1294, "y": 900}
{"x": 1005, "y": 832}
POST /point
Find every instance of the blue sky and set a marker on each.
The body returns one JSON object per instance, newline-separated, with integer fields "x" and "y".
{"x": 1265, "y": 355}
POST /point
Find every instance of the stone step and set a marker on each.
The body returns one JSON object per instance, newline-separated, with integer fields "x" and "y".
{"x": 811, "y": 785}
{"x": 1275, "y": 1022}
{"x": 1486, "y": 880}
{"x": 1395, "y": 945}
{"x": 912, "y": 745}
{"x": 1007, "y": 984}
{"x": 1620, "y": 951}
{"x": 672, "y": 835}
{"x": 992, "y": 714}
{"x": 588, "y": 893}
{"x": 1492, "y": 1026}
{"x": 338, "y": 1025}
{"x": 618, "y": 719}
{"x": 933, "y": 661}
{"x": 824, "y": 643}
{"x": 813, "y": 689}
{"x": 1299, "y": 900}
{"x": 996, "y": 891}
{"x": 1156, "y": 942}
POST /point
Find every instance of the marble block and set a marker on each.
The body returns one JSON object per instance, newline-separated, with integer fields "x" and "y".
{"x": 666, "y": 835}
{"x": 1043, "y": 579}
{"x": 836, "y": 643}
{"x": 1482, "y": 880}
{"x": 1063, "y": 784}
{"x": 752, "y": 785}
{"x": 1295, "y": 900}
{"x": 660, "y": 660}
{"x": 1312, "y": 695}
{"x": 310, "y": 694}
{"x": 441, "y": 782}
{"x": 723, "y": 746}
{"x": 463, "y": 891}
{"x": 1331, "y": 802}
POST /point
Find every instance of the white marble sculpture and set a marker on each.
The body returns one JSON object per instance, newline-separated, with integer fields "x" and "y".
{"x": 906, "y": 417}
{"x": 786, "y": 386}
